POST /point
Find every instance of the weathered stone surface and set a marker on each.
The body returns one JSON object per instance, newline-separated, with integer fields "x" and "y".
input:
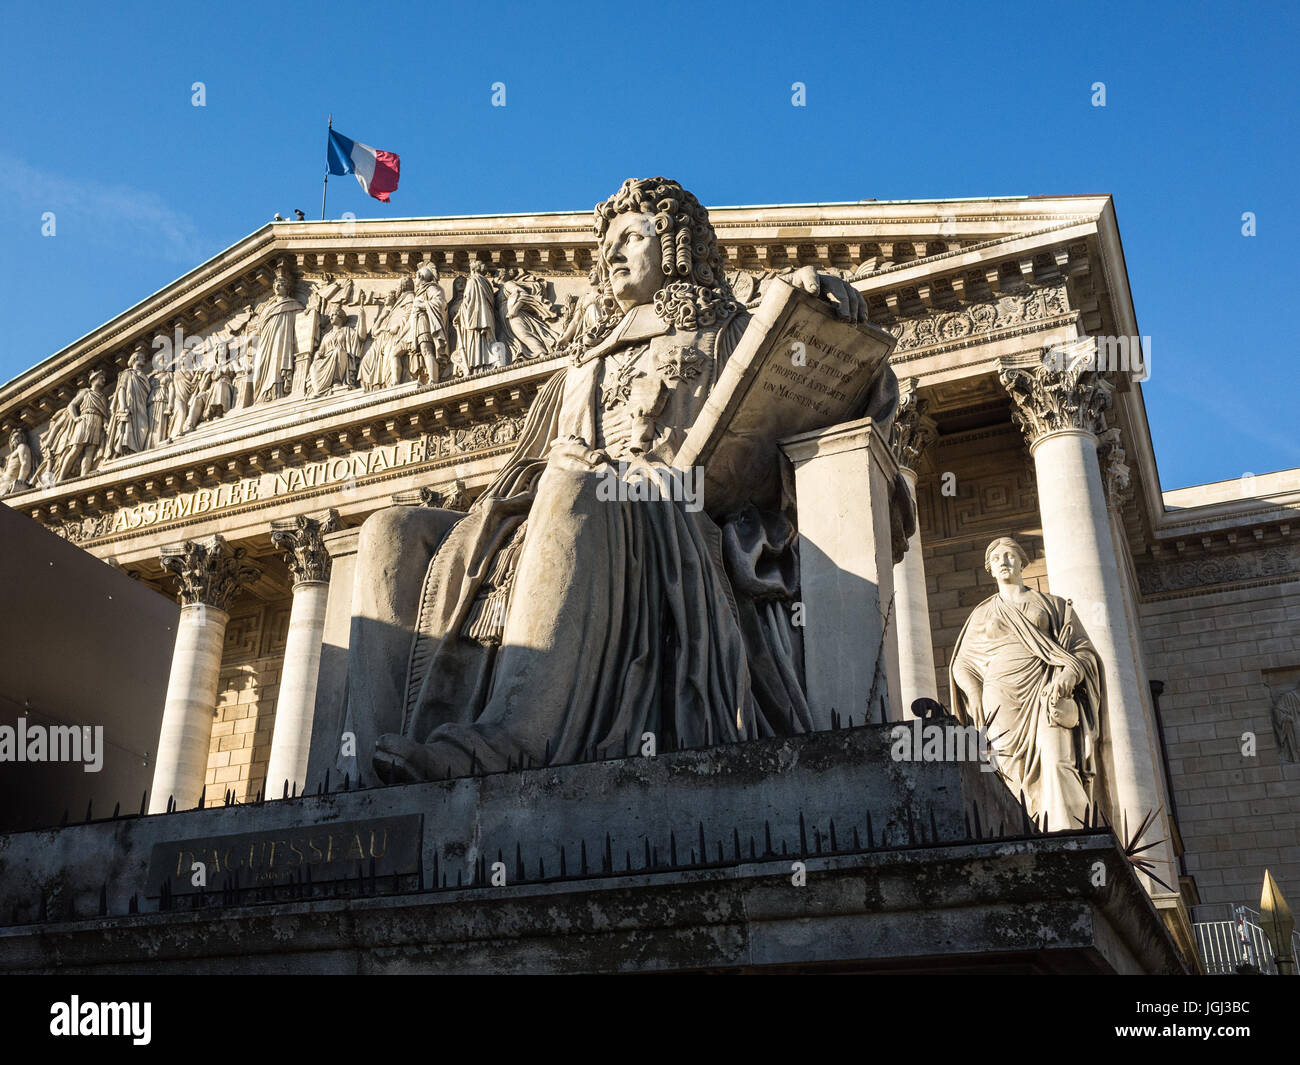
{"x": 1025, "y": 906}
{"x": 740, "y": 791}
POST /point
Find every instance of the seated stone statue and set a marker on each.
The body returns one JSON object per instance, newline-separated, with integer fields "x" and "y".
{"x": 1024, "y": 671}
{"x": 552, "y": 621}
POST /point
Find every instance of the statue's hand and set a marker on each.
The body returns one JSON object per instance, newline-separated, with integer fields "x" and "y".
{"x": 851, "y": 304}
{"x": 1065, "y": 683}
{"x": 574, "y": 454}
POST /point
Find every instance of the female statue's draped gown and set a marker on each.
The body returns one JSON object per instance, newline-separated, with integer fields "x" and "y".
{"x": 551, "y": 622}
{"x": 1015, "y": 652}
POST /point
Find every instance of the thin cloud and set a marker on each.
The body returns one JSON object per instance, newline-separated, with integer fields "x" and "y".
{"x": 100, "y": 212}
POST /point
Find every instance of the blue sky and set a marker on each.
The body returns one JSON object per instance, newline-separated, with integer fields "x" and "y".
{"x": 904, "y": 101}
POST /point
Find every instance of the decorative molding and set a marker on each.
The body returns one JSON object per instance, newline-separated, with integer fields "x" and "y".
{"x": 208, "y": 572}
{"x": 305, "y": 552}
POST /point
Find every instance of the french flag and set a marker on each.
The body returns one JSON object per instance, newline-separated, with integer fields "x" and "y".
{"x": 376, "y": 170}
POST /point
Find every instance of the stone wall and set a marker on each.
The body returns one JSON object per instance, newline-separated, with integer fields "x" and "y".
{"x": 245, "y": 710}
{"x": 1225, "y": 657}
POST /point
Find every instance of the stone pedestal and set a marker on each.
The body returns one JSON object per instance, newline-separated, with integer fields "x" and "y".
{"x": 209, "y": 574}
{"x": 811, "y": 853}
{"x": 295, "y": 706}
{"x": 842, "y": 480}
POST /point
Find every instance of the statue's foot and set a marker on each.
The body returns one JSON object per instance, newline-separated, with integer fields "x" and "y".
{"x": 399, "y": 760}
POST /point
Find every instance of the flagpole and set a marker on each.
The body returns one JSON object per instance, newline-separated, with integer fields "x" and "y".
{"x": 325, "y": 186}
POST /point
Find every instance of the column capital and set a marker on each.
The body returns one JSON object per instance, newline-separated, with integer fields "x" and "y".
{"x": 208, "y": 571}
{"x": 1061, "y": 390}
{"x": 305, "y": 552}
{"x": 914, "y": 430}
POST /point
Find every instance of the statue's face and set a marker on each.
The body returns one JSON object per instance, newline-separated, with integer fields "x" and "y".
{"x": 631, "y": 251}
{"x": 281, "y": 287}
{"x": 1005, "y": 565}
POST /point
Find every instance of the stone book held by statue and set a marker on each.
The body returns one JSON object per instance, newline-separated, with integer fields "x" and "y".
{"x": 800, "y": 366}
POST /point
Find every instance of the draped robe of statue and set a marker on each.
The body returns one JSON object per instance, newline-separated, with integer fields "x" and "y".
{"x": 476, "y": 322}
{"x": 426, "y": 323}
{"x": 85, "y": 436}
{"x": 160, "y": 408}
{"x": 277, "y": 343}
{"x": 1016, "y": 652}
{"x": 526, "y": 316}
{"x": 549, "y": 621}
{"x": 383, "y": 366}
{"x": 371, "y": 372}
{"x": 186, "y": 384}
{"x": 128, "y": 427}
{"x": 336, "y": 361}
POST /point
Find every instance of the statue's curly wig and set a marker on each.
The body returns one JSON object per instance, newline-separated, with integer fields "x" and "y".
{"x": 695, "y": 293}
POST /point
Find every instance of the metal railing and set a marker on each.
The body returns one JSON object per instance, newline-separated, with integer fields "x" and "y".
{"x": 1226, "y": 945}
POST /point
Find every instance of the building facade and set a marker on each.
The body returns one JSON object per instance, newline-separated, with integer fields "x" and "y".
{"x": 228, "y": 436}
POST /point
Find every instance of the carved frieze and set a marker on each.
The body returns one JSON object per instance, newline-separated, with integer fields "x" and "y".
{"x": 339, "y": 470}
{"x": 1244, "y": 566}
{"x": 975, "y": 319}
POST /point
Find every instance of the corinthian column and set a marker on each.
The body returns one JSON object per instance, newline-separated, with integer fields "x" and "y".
{"x": 1061, "y": 409}
{"x": 209, "y": 574}
{"x": 913, "y": 432}
{"x": 295, "y": 706}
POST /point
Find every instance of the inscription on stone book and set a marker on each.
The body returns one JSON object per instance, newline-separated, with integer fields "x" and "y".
{"x": 327, "y": 852}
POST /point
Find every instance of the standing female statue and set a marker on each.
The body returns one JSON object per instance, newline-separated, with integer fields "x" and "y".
{"x": 1024, "y": 671}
